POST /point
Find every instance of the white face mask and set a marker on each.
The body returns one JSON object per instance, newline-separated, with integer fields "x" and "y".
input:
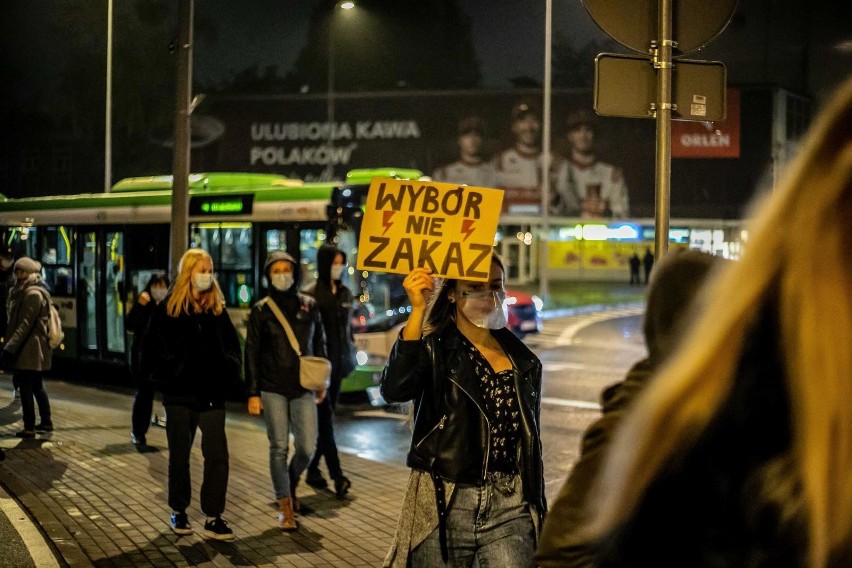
{"x": 282, "y": 282}
{"x": 202, "y": 281}
{"x": 337, "y": 271}
{"x": 485, "y": 308}
{"x": 159, "y": 294}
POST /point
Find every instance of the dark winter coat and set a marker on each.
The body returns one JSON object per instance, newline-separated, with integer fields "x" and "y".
{"x": 336, "y": 312}
{"x": 450, "y": 428}
{"x": 271, "y": 364}
{"x": 27, "y": 344}
{"x": 193, "y": 359}
{"x": 137, "y": 323}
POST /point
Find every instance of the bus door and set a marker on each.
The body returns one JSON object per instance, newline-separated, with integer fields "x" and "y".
{"x": 100, "y": 294}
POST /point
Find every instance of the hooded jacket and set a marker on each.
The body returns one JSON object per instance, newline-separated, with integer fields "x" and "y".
{"x": 336, "y": 312}
{"x": 271, "y": 364}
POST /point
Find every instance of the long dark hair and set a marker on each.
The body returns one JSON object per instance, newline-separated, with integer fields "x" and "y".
{"x": 441, "y": 312}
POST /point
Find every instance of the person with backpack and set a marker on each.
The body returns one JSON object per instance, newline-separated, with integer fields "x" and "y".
{"x": 28, "y": 351}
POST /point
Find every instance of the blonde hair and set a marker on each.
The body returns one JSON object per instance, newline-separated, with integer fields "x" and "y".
{"x": 798, "y": 259}
{"x": 181, "y": 300}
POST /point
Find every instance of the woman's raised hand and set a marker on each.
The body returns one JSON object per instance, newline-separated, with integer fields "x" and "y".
{"x": 419, "y": 286}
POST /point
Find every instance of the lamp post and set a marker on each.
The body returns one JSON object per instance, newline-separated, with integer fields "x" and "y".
{"x": 108, "y": 117}
{"x": 543, "y": 276}
{"x": 345, "y": 5}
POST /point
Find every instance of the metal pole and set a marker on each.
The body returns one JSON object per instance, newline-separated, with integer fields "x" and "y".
{"x": 330, "y": 108}
{"x": 663, "y": 63}
{"x": 108, "y": 117}
{"x": 180, "y": 166}
{"x": 543, "y": 282}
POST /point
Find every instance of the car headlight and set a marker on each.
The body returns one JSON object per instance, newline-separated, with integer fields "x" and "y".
{"x": 538, "y": 303}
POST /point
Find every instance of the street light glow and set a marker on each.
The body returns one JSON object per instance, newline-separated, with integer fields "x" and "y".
{"x": 347, "y": 5}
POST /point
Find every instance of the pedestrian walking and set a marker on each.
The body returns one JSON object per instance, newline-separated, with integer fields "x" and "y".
{"x": 334, "y": 301}
{"x": 475, "y": 496}
{"x": 192, "y": 353}
{"x": 673, "y": 301}
{"x": 137, "y": 322}
{"x": 634, "y": 263}
{"x": 27, "y": 352}
{"x": 648, "y": 263}
{"x": 272, "y": 374}
{"x": 738, "y": 453}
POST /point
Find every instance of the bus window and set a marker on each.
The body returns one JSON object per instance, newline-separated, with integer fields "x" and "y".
{"x": 380, "y": 299}
{"x": 115, "y": 307}
{"x": 310, "y": 240}
{"x": 230, "y": 246}
{"x": 55, "y": 246}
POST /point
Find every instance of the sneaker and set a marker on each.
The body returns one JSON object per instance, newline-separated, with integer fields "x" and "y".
{"x": 25, "y": 434}
{"x": 315, "y": 479}
{"x": 41, "y": 428}
{"x": 217, "y": 528}
{"x": 16, "y": 393}
{"x": 341, "y": 486}
{"x": 180, "y": 523}
{"x": 138, "y": 440}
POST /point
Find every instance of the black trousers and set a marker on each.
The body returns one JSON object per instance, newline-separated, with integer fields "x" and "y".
{"x": 326, "y": 445}
{"x": 31, "y": 385}
{"x": 181, "y": 424}
{"x": 143, "y": 406}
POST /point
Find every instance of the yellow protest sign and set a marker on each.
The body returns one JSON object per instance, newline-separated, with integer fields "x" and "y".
{"x": 445, "y": 227}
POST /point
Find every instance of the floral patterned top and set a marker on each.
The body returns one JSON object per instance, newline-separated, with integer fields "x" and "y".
{"x": 501, "y": 409}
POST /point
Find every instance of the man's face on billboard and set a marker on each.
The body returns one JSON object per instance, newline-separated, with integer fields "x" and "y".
{"x": 526, "y": 129}
{"x": 581, "y": 138}
{"x": 470, "y": 143}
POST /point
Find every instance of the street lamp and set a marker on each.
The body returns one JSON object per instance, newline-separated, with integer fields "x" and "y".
{"x": 345, "y": 5}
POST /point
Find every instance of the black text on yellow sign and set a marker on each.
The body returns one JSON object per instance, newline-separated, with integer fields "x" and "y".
{"x": 441, "y": 226}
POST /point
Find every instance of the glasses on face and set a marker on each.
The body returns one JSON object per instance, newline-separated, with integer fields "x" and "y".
{"x": 500, "y": 294}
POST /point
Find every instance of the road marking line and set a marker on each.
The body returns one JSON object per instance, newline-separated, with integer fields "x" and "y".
{"x": 571, "y": 403}
{"x": 39, "y": 550}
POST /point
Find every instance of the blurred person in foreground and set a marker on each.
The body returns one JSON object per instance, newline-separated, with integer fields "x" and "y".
{"x": 739, "y": 452}
{"x": 192, "y": 353}
{"x": 272, "y": 373}
{"x": 27, "y": 352}
{"x": 475, "y": 496}
{"x": 137, "y": 322}
{"x": 334, "y": 301}
{"x": 672, "y": 303}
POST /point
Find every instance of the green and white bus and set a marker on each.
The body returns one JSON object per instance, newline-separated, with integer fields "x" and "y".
{"x": 98, "y": 251}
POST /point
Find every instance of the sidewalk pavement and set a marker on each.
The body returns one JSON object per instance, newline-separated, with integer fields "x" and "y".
{"x": 97, "y": 501}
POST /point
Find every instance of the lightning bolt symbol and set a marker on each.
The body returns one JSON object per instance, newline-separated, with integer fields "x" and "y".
{"x": 467, "y": 228}
{"x": 386, "y": 220}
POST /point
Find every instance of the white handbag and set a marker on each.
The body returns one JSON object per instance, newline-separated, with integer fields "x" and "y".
{"x": 314, "y": 372}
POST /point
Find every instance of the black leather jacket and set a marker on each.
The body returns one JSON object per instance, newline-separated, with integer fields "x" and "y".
{"x": 271, "y": 363}
{"x": 451, "y": 434}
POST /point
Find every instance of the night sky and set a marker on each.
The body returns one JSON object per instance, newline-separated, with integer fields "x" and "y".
{"x": 508, "y": 38}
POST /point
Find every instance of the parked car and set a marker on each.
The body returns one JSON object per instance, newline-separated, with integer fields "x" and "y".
{"x": 524, "y": 312}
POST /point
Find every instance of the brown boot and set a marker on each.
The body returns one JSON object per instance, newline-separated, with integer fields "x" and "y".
{"x": 286, "y": 516}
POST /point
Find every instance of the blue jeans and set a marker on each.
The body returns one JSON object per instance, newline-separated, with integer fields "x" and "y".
{"x": 487, "y": 527}
{"x": 283, "y": 416}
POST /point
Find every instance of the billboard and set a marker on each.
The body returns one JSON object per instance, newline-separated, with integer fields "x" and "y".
{"x": 601, "y": 167}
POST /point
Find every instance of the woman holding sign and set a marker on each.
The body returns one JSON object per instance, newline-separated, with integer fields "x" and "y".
{"x": 476, "y": 491}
